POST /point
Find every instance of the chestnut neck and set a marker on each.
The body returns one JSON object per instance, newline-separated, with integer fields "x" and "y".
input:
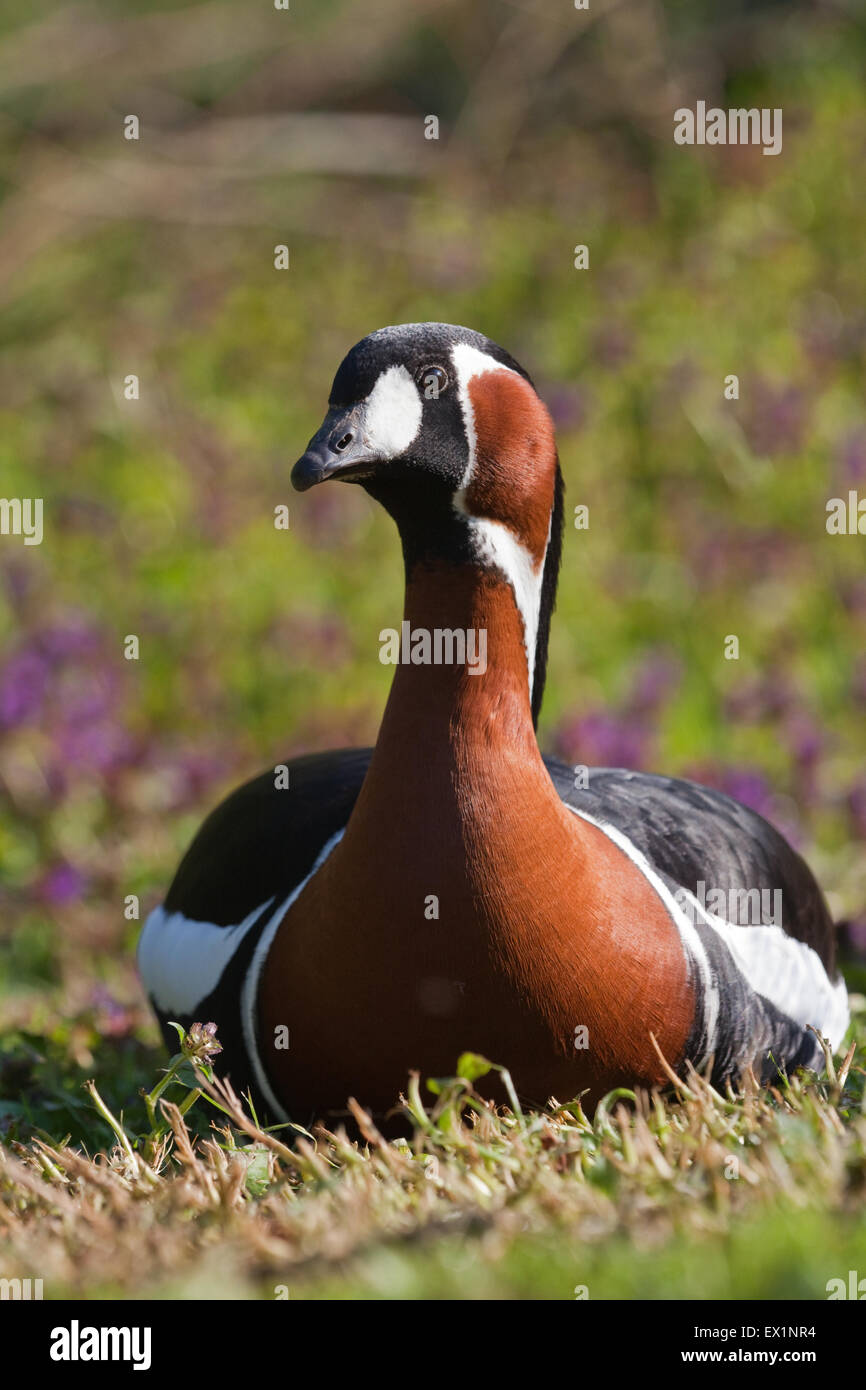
{"x": 458, "y": 804}
{"x": 442, "y": 709}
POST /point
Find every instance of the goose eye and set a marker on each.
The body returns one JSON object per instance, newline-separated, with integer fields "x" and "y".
{"x": 432, "y": 381}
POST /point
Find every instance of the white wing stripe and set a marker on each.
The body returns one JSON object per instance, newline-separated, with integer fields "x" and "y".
{"x": 784, "y": 970}
{"x": 181, "y": 962}
{"x": 692, "y": 944}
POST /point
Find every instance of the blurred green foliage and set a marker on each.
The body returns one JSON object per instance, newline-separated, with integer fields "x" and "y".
{"x": 155, "y": 257}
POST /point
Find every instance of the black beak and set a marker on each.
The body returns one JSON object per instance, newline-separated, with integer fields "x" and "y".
{"x": 338, "y": 448}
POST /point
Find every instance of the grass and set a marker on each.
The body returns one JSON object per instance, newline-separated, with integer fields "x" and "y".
{"x": 176, "y": 1192}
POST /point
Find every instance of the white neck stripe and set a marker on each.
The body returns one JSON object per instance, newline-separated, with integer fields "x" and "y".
{"x": 495, "y": 543}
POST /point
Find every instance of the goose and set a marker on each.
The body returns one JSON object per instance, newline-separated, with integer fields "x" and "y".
{"x": 452, "y": 889}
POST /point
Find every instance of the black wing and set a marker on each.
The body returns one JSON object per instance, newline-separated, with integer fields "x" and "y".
{"x": 262, "y": 841}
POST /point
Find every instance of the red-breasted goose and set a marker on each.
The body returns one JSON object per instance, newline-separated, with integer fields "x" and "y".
{"x": 452, "y": 889}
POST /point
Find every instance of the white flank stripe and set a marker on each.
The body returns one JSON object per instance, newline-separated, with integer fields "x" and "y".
{"x": 181, "y": 962}
{"x": 782, "y": 969}
{"x": 786, "y": 971}
{"x": 692, "y": 943}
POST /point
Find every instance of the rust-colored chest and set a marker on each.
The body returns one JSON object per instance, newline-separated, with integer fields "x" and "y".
{"x": 467, "y": 908}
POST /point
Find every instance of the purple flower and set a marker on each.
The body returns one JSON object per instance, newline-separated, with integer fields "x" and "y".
{"x": 657, "y": 677}
{"x": 755, "y": 699}
{"x": 748, "y": 786}
{"x": 327, "y": 519}
{"x": 567, "y": 405}
{"x": 852, "y": 460}
{"x": 852, "y": 593}
{"x": 324, "y": 638}
{"x": 74, "y": 638}
{"x": 18, "y": 579}
{"x": 201, "y": 1043}
{"x": 829, "y": 335}
{"x": 115, "y": 1020}
{"x": 97, "y": 747}
{"x": 61, "y": 885}
{"x": 23, "y": 686}
{"x": 744, "y": 784}
{"x": 603, "y": 740}
{"x": 199, "y": 770}
{"x": 854, "y": 936}
{"x": 857, "y": 808}
{"x": 613, "y": 346}
{"x": 777, "y": 418}
{"x": 858, "y": 682}
{"x": 88, "y": 696}
{"x": 805, "y": 739}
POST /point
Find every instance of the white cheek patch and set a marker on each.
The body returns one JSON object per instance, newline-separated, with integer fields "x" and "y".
{"x": 495, "y": 543}
{"x": 392, "y": 413}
